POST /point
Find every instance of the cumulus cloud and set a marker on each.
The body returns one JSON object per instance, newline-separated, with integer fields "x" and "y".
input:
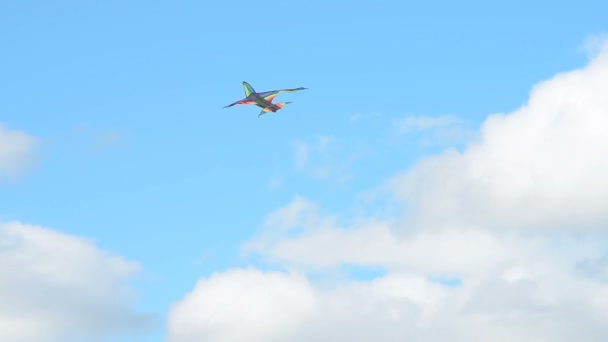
{"x": 279, "y": 306}
{"x": 305, "y": 239}
{"x": 269, "y": 307}
{"x": 16, "y": 152}
{"x": 543, "y": 166}
{"x": 56, "y": 287}
{"x": 519, "y": 218}
{"x": 512, "y": 286}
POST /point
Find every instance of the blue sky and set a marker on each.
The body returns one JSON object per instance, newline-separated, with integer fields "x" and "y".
{"x": 135, "y": 153}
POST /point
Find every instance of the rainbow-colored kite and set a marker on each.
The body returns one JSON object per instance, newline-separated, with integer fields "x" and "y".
{"x": 263, "y": 99}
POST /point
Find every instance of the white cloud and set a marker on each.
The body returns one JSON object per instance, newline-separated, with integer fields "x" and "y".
{"x": 272, "y": 306}
{"x": 16, "y": 152}
{"x": 306, "y": 240}
{"x": 269, "y": 307}
{"x": 544, "y": 165}
{"x": 542, "y": 169}
{"x": 514, "y": 286}
{"x": 55, "y": 287}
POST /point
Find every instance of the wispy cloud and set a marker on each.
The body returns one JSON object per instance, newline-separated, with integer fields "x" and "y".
{"x": 17, "y": 152}
{"x": 594, "y": 44}
{"x": 302, "y": 151}
{"x": 434, "y": 130}
{"x": 421, "y": 122}
{"x": 363, "y": 117}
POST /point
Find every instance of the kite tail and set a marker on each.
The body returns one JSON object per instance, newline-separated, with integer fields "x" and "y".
{"x": 273, "y": 108}
{"x": 281, "y": 104}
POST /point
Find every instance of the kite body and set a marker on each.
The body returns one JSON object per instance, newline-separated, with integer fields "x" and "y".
{"x": 263, "y": 99}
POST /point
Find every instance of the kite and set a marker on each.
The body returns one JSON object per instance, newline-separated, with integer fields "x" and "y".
{"x": 263, "y": 99}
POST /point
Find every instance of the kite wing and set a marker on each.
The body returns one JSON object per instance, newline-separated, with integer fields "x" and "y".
{"x": 243, "y": 101}
{"x": 269, "y": 95}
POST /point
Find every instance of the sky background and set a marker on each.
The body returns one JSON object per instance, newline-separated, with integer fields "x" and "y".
{"x": 121, "y": 176}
